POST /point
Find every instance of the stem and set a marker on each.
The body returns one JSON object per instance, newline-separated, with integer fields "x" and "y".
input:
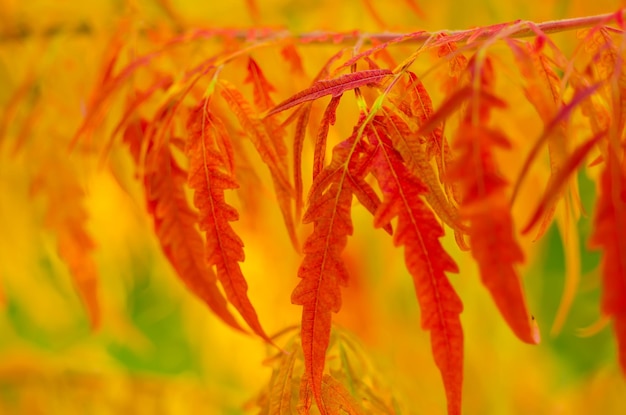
{"x": 320, "y": 37}
{"x": 484, "y": 32}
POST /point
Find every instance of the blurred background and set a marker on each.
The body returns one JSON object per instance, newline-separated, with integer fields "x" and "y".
{"x": 158, "y": 350}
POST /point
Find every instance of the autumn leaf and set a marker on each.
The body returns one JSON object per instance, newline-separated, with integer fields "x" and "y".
{"x": 334, "y": 87}
{"x": 610, "y": 225}
{"x": 261, "y": 86}
{"x": 271, "y": 149}
{"x": 175, "y": 222}
{"x": 419, "y": 232}
{"x": 414, "y": 154}
{"x": 303, "y": 115}
{"x": 433, "y": 143}
{"x": 337, "y": 399}
{"x": 66, "y": 216}
{"x": 486, "y": 208}
{"x": 558, "y": 181}
{"x": 210, "y": 176}
{"x": 323, "y": 271}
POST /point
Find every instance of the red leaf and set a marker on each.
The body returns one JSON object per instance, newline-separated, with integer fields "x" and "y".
{"x": 175, "y": 222}
{"x": 273, "y": 154}
{"x": 419, "y": 232}
{"x": 322, "y": 270}
{"x": 209, "y": 176}
{"x": 328, "y": 119}
{"x": 261, "y": 86}
{"x": 457, "y": 62}
{"x": 304, "y": 114}
{"x": 334, "y": 87}
{"x": 270, "y": 147}
{"x": 414, "y": 155}
{"x": 453, "y": 103}
{"x": 608, "y": 234}
{"x": 291, "y": 55}
{"x": 485, "y": 206}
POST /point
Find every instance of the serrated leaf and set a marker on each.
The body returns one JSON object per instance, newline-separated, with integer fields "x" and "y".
{"x": 419, "y": 232}
{"x": 209, "y": 177}
{"x": 333, "y": 87}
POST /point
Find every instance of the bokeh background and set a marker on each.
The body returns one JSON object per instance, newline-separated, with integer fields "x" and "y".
{"x": 158, "y": 350}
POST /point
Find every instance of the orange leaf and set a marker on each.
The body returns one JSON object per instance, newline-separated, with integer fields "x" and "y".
{"x": 556, "y": 185}
{"x": 484, "y": 202}
{"x": 280, "y": 399}
{"x": 485, "y": 206}
{"x": 328, "y": 119}
{"x": 413, "y": 154}
{"x": 457, "y": 62}
{"x": 209, "y": 176}
{"x": 422, "y": 107}
{"x": 270, "y": 147}
{"x": 543, "y": 91}
{"x": 67, "y": 217}
{"x": 323, "y": 270}
{"x": 337, "y": 399}
{"x": 419, "y": 232}
{"x": 291, "y": 55}
{"x": 334, "y": 87}
{"x": 608, "y": 234}
{"x": 175, "y": 222}
{"x": 261, "y": 86}
{"x": 304, "y": 113}
{"x": 563, "y": 114}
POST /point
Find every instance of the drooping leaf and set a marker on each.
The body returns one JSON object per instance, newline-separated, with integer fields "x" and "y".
{"x": 415, "y": 8}
{"x": 253, "y": 9}
{"x": 209, "y": 176}
{"x": 337, "y": 399}
{"x": 555, "y": 185}
{"x": 175, "y": 222}
{"x": 291, "y": 55}
{"x": 543, "y": 91}
{"x": 421, "y": 106}
{"x": 270, "y": 147}
{"x": 453, "y": 103}
{"x": 328, "y": 119}
{"x": 414, "y": 155}
{"x": 563, "y": 114}
{"x": 486, "y": 207}
{"x": 67, "y": 217}
{"x": 608, "y": 234}
{"x": 261, "y": 86}
{"x": 323, "y": 271}
{"x": 303, "y": 115}
{"x": 457, "y": 62}
{"x": 419, "y": 232}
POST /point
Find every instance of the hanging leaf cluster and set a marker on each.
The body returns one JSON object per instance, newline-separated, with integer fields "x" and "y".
{"x": 425, "y": 154}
